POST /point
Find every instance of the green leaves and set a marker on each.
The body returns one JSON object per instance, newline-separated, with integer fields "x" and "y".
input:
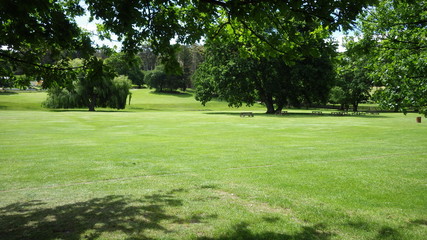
{"x": 129, "y": 66}
{"x": 239, "y": 78}
{"x": 353, "y": 80}
{"x": 288, "y": 30}
{"x": 269, "y": 26}
{"x": 161, "y": 79}
{"x": 38, "y": 37}
{"x": 95, "y": 86}
{"x": 395, "y": 33}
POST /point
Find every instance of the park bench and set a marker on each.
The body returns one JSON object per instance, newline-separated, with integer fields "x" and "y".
{"x": 317, "y": 112}
{"x": 282, "y": 113}
{"x": 244, "y": 114}
{"x": 358, "y": 113}
{"x": 374, "y": 113}
{"x": 338, "y": 113}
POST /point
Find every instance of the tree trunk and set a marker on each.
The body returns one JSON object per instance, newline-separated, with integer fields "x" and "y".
{"x": 347, "y": 106}
{"x": 279, "y": 108}
{"x": 270, "y": 105}
{"x": 396, "y": 108}
{"x": 91, "y": 104}
{"x": 355, "y": 106}
{"x": 266, "y": 99}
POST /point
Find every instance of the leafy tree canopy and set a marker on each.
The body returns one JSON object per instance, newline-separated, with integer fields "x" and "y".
{"x": 161, "y": 80}
{"x": 238, "y": 79}
{"x": 271, "y": 26}
{"x": 96, "y": 85}
{"x": 32, "y": 29}
{"x": 130, "y": 66}
{"x": 353, "y": 81}
{"x": 393, "y": 36}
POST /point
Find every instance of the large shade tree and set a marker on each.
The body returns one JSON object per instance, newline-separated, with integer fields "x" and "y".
{"x": 228, "y": 74}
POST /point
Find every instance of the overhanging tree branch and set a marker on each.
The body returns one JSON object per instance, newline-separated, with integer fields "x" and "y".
{"x": 260, "y": 37}
{"x": 401, "y": 48}
{"x": 215, "y": 2}
{"x": 39, "y": 65}
{"x": 220, "y": 29}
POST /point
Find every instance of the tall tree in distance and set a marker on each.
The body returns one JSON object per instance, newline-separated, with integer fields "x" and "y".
{"x": 353, "y": 77}
{"x": 148, "y": 57}
{"x": 185, "y": 59}
{"x": 190, "y": 57}
{"x": 197, "y": 55}
{"x": 130, "y": 66}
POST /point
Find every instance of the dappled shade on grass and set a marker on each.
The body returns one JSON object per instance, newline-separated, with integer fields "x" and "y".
{"x": 88, "y": 219}
{"x": 243, "y": 232}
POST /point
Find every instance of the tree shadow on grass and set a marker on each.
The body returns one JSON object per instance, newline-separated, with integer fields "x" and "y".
{"x": 173, "y": 93}
{"x": 89, "y": 219}
{"x": 419, "y": 222}
{"x": 8, "y": 93}
{"x": 388, "y": 233}
{"x": 87, "y": 111}
{"x": 296, "y": 115}
{"x": 232, "y": 113}
{"x": 384, "y": 232}
{"x": 242, "y": 231}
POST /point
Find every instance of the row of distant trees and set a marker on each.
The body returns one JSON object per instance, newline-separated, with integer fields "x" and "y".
{"x": 175, "y": 76}
{"x": 147, "y": 68}
{"x": 270, "y": 80}
{"x": 326, "y": 76}
{"x": 317, "y": 78}
{"x": 106, "y": 79}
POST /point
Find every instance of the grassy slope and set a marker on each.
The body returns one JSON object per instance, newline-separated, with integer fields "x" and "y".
{"x": 166, "y": 169}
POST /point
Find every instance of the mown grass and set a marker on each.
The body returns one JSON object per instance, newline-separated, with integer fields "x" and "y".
{"x": 168, "y": 168}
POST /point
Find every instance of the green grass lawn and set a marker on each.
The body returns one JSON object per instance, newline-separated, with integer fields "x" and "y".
{"x": 169, "y": 168}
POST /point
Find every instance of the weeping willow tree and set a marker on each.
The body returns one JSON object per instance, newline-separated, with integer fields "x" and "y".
{"x": 95, "y": 85}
